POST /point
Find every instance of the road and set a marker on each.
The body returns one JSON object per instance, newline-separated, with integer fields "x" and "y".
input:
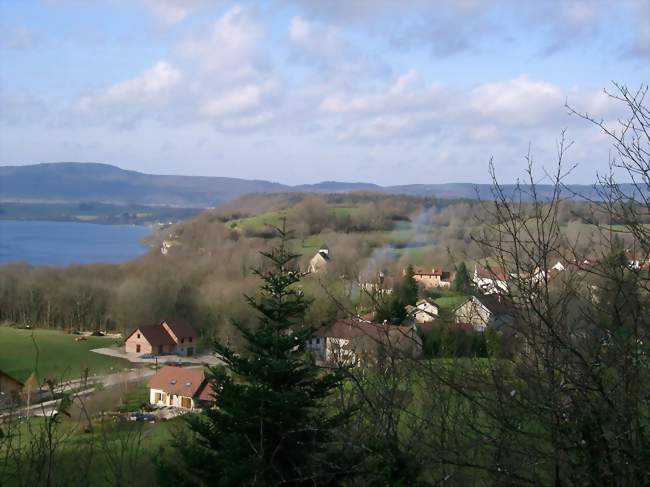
{"x": 48, "y": 407}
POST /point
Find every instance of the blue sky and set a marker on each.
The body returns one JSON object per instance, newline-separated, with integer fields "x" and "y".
{"x": 384, "y": 91}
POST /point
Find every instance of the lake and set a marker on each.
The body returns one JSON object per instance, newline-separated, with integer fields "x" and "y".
{"x": 62, "y": 243}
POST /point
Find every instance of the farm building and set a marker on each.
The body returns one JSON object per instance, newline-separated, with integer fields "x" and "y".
{"x": 354, "y": 342}
{"x": 169, "y": 336}
{"x": 9, "y": 389}
{"x": 186, "y": 388}
{"x": 433, "y": 278}
{"x": 319, "y": 262}
{"x": 483, "y": 311}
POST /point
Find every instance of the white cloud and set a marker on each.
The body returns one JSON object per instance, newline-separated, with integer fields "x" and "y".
{"x": 174, "y": 11}
{"x": 230, "y": 44}
{"x": 519, "y": 101}
{"x": 152, "y": 86}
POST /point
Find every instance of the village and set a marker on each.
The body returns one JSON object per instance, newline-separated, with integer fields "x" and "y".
{"x": 170, "y": 358}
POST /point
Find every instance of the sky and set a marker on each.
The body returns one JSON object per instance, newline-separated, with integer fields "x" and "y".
{"x": 302, "y": 91}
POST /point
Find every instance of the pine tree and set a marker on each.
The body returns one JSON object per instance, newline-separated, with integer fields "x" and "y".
{"x": 462, "y": 280}
{"x": 270, "y": 426}
{"x": 409, "y": 287}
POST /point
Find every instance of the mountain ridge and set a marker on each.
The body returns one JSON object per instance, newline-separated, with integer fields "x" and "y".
{"x": 105, "y": 183}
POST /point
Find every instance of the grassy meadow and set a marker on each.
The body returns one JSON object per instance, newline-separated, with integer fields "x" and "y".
{"x": 53, "y": 354}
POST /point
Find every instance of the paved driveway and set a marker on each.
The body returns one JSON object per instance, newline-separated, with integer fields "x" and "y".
{"x": 135, "y": 358}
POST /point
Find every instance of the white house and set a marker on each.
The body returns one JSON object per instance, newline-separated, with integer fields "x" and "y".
{"x": 318, "y": 262}
{"x": 424, "y": 311}
{"x": 483, "y": 311}
{"x": 490, "y": 280}
{"x": 185, "y": 388}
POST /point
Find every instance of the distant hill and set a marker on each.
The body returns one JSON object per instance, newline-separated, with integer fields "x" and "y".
{"x": 68, "y": 182}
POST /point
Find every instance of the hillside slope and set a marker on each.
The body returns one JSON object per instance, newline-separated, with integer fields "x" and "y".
{"x": 67, "y": 182}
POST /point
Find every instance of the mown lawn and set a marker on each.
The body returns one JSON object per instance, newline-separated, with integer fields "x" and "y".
{"x": 54, "y": 354}
{"x": 450, "y": 302}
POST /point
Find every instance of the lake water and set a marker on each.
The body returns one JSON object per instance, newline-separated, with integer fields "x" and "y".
{"x": 63, "y": 243}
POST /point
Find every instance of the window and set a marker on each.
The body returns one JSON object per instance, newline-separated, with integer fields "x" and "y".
{"x": 318, "y": 341}
{"x": 182, "y": 340}
{"x": 138, "y": 335}
{"x": 190, "y": 339}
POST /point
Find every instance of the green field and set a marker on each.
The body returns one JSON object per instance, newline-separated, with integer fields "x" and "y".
{"x": 273, "y": 218}
{"x": 54, "y": 353}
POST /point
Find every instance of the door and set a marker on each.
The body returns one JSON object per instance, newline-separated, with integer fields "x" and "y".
{"x": 160, "y": 349}
{"x": 137, "y": 348}
{"x": 190, "y": 351}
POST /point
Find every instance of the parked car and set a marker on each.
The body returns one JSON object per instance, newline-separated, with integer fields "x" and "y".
{"x": 148, "y": 355}
{"x": 144, "y": 417}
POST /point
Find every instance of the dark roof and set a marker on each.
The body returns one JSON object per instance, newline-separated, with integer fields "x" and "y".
{"x": 428, "y": 301}
{"x": 181, "y": 328}
{"x": 188, "y": 382}
{"x": 350, "y": 329}
{"x": 155, "y": 335}
{"x": 496, "y": 303}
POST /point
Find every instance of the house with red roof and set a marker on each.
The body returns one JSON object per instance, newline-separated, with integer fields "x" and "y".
{"x": 173, "y": 336}
{"x": 355, "y": 342}
{"x": 433, "y": 278}
{"x": 180, "y": 387}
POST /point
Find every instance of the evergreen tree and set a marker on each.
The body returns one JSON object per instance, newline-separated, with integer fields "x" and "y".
{"x": 270, "y": 426}
{"x": 391, "y": 310}
{"x": 462, "y": 280}
{"x": 408, "y": 291}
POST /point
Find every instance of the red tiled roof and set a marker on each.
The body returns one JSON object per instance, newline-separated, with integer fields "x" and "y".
{"x": 442, "y": 274}
{"x": 181, "y": 328}
{"x": 368, "y": 316}
{"x": 496, "y": 273}
{"x": 188, "y": 382}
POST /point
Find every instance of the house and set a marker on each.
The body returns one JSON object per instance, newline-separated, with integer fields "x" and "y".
{"x": 319, "y": 262}
{"x": 490, "y": 280}
{"x": 435, "y": 278}
{"x": 353, "y": 342}
{"x": 380, "y": 285}
{"x": 186, "y": 388}
{"x": 483, "y": 311}
{"x": 637, "y": 260}
{"x": 169, "y": 336}
{"x": 10, "y": 389}
{"x": 424, "y": 311}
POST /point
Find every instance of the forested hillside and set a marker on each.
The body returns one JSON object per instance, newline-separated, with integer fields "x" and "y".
{"x": 206, "y": 267}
